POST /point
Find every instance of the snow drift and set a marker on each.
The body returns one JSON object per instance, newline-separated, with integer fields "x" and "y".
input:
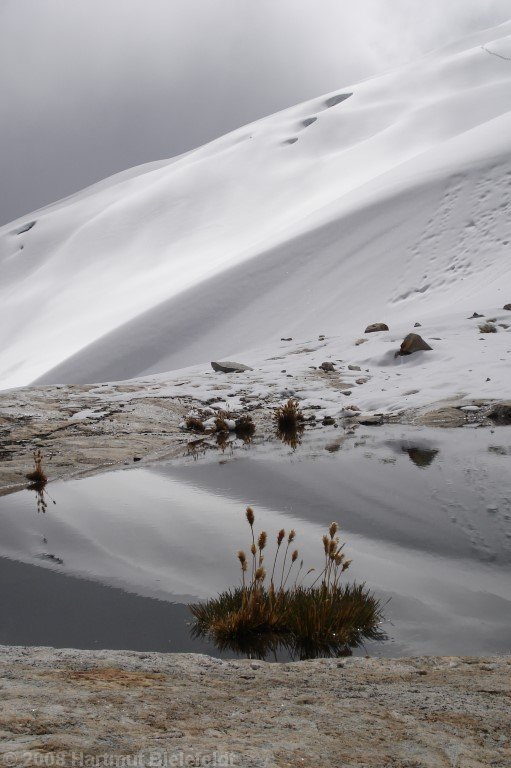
{"x": 388, "y": 200}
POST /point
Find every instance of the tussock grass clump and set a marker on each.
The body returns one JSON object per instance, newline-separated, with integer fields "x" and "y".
{"x": 38, "y": 476}
{"x": 279, "y": 609}
{"x": 245, "y": 427}
{"x": 289, "y": 421}
{"x": 194, "y": 424}
{"x": 289, "y": 417}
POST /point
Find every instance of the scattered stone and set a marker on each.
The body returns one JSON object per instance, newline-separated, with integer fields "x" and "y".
{"x": 137, "y": 458}
{"x": 370, "y": 419}
{"x": 376, "y": 327}
{"x": 290, "y": 338}
{"x": 328, "y": 421}
{"x": 411, "y": 392}
{"x": 360, "y": 341}
{"x": 417, "y": 325}
{"x": 321, "y": 338}
{"x": 412, "y": 343}
{"x": 501, "y": 413}
{"x": 354, "y": 368}
{"x": 361, "y": 381}
{"x": 507, "y": 307}
{"x": 475, "y": 314}
{"x": 327, "y": 366}
{"x": 487, "y": 328}
{"x": 230, "y": 367}
{"x": 346, "y": 392}
{"x": 443, "y": 417}
{"x": 503, "y": 325}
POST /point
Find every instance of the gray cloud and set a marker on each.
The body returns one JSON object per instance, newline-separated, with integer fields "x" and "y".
{"x": 91, "y": 87}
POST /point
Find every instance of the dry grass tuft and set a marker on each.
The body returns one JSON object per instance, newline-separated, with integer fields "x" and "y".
{"x": 245, "y": 427}
{"x": 38, "y": 476}
{"x": 288, "y": 416}
{"x": 195, "y": 424}
{"x": 266, "y": 612}
{"x": 289, "y": 421}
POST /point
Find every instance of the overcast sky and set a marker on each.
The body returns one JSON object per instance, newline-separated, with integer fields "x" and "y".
{"x": 91, "y": 87}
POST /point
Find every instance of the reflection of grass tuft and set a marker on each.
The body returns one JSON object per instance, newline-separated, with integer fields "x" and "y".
{"x": 278, "y": 609}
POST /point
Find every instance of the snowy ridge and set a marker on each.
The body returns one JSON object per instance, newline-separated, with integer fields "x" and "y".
{"x": 388, "y": 201}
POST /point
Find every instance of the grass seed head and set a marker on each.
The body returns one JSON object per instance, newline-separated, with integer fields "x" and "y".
{"x": 250, "y": 516}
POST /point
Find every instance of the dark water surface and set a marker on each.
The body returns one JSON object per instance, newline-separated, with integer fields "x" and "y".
{"x": 426, "y": 516}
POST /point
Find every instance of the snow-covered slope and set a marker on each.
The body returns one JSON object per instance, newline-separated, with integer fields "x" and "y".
{"x": 389, "y": 201}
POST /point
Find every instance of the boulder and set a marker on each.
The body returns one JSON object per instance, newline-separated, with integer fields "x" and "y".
{"x": 375, "y": 327}
{"x": 413, "y": 343}
{"x": 475, "y": 314}
{"x": 353, "y": 368}
{"x": 507, "y": 306}
{"x": 230, "y": 367}
{"x": 417, "y": 325}
{"x": 327, "y": 366}
{"x": 501, "y": 413}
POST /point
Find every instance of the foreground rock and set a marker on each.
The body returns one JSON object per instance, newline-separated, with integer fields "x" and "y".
{"x": 413, "y": 343}
{"x": 230, "y": 367}
{"x": 160, "y": 708}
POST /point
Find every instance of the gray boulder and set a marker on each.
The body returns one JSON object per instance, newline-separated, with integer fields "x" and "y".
{"x": 375, "y": 327}
{"x": 413, "y": 343}
{"x": 507, "y": 306}
{"x": 230, "y": 367}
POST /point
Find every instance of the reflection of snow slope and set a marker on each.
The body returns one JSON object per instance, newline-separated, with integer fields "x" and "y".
{"x": 394, "y": 200}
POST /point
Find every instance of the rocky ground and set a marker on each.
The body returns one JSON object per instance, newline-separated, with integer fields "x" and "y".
{"x": 68, "y": 707}
{"x": 86, "y": 429}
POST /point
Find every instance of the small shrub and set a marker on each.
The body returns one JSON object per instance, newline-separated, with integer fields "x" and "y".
{"x": 195, "y": 424}
{"x": 268, "y": 611}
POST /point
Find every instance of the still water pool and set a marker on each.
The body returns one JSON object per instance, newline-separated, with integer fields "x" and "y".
{"x": 426, "y": 516}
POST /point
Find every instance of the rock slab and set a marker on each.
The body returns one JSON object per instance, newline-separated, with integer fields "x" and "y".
{"x": 425, "y": 711}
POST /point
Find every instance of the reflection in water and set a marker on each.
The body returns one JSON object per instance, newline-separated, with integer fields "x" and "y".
{"x": 291, "y": 435}
{"x": 421, "y": 457}
{"x": 274, "y": 647}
